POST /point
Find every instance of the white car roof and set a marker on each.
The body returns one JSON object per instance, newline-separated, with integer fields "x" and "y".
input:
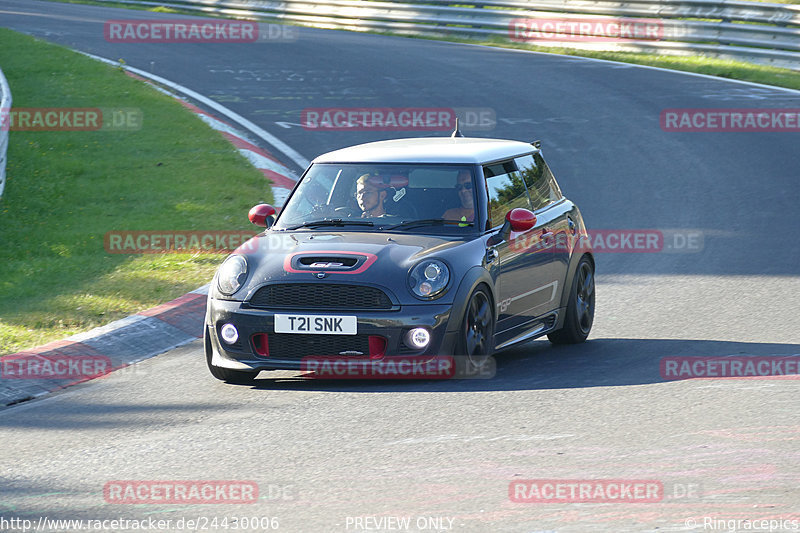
{"x": 429, "y": 150}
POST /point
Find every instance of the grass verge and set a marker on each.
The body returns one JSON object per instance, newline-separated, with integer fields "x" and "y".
{"x": 66, "y": 189}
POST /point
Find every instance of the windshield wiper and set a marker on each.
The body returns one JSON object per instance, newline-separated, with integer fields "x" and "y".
{"x": 428, "y": 222}
{"x": 332, "y": 222}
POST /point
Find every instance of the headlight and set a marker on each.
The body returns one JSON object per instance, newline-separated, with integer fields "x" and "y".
{"x": 232, "y": 274}
{"x": 428, "y": 279}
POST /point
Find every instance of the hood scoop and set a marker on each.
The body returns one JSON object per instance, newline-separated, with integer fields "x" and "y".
{"x": 329, "y": 261}
{"x": 316, "y": 262}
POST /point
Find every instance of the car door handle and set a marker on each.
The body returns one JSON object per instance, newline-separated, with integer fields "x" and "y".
{"x": 547, "y": 238}
{"x": 491, "y": 255}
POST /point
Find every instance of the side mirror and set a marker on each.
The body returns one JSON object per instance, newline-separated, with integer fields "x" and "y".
{"x": 262, "y": 215}
{"x": 520, "y": 219}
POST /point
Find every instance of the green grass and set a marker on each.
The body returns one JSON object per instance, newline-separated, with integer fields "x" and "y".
{"x": 65, "y": 190}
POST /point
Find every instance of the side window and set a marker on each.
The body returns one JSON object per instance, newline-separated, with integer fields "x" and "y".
{"x": 538, "y": 179}
{"x": 553, "y": 189}
{"x": 506, "y": 191}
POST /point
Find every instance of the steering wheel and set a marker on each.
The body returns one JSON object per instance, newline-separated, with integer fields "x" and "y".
{"x": 347, "y": 212}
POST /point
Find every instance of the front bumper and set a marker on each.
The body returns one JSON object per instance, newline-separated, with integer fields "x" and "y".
{"x": 248, "y": 352}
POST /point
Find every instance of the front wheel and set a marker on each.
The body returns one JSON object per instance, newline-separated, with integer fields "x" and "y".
{"x": 476, "y": 336}
{"x": 580, "y": 308}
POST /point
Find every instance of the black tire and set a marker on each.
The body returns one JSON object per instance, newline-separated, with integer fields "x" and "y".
{"x": 580, "y": 307}
{"x": 227, "y": 375}
{"x": 476, "y": 335}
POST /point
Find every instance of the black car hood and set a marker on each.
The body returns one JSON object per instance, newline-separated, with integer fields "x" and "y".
{"x": 380, "y": 258}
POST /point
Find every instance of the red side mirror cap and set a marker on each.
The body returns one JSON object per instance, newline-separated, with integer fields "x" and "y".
{"x": 258, "y": 214}
{"x": 521, "y": 219}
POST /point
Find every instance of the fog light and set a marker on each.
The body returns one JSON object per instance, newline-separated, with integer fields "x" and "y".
{"x": 229, "y": 333}
{"x": 418, "y": 338}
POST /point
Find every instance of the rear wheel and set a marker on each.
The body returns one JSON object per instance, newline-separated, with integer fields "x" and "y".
{"x": 580, "y": 308}
{"x": 476, "y": 337}
{"x": 239, "y": 377}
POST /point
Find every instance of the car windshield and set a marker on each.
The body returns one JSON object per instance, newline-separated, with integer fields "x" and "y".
{"x": 383, "y": 197}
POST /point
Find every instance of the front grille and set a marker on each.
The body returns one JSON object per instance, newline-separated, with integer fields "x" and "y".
{"x": 320, "y": 296}
{"x": 296, "y": 346}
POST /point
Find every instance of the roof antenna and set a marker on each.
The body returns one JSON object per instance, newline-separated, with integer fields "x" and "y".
{"x": 456, "y": 132}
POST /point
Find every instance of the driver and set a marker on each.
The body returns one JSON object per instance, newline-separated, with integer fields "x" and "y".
{"x": 370, "y": 198}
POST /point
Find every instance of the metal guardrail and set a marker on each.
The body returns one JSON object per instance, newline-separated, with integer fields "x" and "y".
{"x": 731, "y": 29}
{"x": 5, "y": 108}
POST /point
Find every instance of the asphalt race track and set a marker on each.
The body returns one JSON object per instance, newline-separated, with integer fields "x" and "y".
{"x": 352, "y": 456}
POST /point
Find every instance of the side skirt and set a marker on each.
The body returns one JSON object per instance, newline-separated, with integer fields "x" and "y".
{"x": 535, "y": 328}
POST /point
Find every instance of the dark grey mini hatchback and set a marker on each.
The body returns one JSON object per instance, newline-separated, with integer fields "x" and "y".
{"x": 411, "y": 248}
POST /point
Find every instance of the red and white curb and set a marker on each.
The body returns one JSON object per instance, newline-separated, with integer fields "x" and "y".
{"x": 32, "y": 373}
{"x": 35, "y": 372}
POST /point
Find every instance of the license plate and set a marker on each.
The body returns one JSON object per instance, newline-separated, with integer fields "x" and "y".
{"x": 316, "y": 324}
